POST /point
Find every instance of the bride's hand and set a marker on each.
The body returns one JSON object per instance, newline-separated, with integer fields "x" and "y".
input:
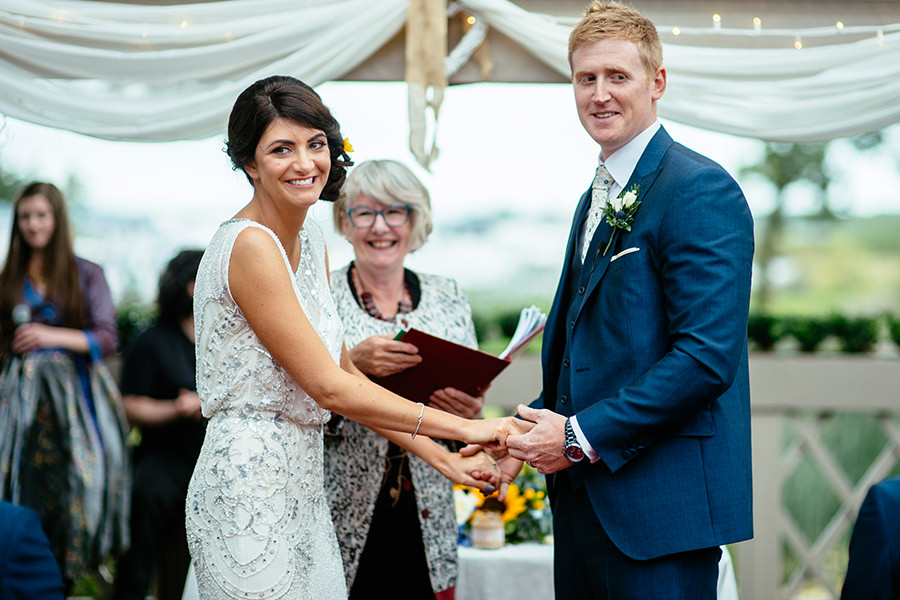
{"x": 492, "y": 433}
{"x": 479, "y": 470}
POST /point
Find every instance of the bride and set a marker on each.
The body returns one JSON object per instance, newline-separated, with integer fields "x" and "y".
{"x": 271, "y": 366}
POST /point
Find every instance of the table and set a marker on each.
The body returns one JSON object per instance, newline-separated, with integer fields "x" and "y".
{"x": 525, "y": 572}
{"x": 513, "y": 572}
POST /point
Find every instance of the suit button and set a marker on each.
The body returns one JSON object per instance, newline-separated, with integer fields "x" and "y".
{"x": 581, "y": 290}
{"x": 571, "y": 324}
{"x": 566, "y": 363}
{"x": 563, "y": 399}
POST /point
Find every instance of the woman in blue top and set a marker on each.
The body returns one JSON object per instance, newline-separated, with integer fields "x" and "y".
{"x": 62, "y": 434}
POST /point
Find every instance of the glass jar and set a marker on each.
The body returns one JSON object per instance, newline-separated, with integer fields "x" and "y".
{"x": 487, "y": 529}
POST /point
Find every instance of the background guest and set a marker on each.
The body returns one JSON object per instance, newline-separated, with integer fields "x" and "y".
{"x": 390, "y": 507}
{"x": 62, "y": 433}
{"x": 160, "y": 397}
{"x": 873, "y": 570}
{"x": 28, "y": 569}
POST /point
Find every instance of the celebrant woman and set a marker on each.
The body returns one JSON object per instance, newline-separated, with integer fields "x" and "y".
{"x": 390, "y": 507}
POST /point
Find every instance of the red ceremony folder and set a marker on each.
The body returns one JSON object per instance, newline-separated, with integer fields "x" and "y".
{"x": 444, "y": 364}
{"x": 447, "y": 364}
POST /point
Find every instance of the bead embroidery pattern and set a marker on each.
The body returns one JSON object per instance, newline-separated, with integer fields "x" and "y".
{"x": 258, "y": 521}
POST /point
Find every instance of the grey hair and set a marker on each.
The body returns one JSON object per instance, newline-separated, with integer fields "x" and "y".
{"x": 388, "y": 182}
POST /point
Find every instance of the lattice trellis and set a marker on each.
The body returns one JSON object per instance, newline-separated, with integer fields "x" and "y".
{"x": 800, "y": 406}
{"x": 813, "y": 554}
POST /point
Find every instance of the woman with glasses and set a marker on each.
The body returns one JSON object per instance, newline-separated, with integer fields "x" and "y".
{"x": 390, "y": 508}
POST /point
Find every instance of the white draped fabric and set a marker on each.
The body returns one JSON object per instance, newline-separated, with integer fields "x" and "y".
{"x": 160, "y": 73}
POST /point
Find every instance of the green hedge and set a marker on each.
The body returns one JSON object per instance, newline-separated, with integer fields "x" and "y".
{"x": 852, "y": 335}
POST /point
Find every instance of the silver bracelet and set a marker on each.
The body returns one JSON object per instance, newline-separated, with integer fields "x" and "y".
{"x": 419, "y": 424}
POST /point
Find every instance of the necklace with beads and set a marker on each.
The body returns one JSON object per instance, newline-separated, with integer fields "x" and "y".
{"x": 368, "y": 303}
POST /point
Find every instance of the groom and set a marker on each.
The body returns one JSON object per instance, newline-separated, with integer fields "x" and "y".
{"x": 644, "y": 418}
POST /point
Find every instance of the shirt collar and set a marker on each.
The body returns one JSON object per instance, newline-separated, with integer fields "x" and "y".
{"x": 623, "y": 161}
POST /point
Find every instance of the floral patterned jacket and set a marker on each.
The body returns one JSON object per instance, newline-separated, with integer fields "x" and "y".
{"x": 354, "y": 459}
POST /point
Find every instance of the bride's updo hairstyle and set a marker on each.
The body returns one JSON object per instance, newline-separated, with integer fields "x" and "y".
{"x": 283, "y": 97}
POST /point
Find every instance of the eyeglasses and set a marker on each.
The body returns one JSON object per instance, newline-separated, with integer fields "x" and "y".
{"x": 394, "y": 215}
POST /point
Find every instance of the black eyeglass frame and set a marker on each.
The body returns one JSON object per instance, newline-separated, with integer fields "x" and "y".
{"x": 383, "y": 213}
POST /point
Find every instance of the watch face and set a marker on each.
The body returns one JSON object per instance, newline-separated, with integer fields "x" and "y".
{"x": 574, "y": 452}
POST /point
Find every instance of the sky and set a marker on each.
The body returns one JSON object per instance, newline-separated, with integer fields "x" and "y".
{"x": 513, "y": 162}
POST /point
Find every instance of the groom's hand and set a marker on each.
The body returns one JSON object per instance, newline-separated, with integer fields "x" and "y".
{"x": 542, "y": 447}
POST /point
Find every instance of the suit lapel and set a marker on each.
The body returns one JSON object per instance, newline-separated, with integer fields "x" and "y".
{"x": 644, "y": 175}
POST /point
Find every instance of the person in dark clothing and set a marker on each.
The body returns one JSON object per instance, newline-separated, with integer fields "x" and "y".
{"x": 160, "y": 397}
{"x": 873, "y": 568}
{"x": 28, "y": 568}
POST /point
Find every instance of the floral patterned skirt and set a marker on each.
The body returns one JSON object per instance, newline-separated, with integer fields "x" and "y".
{"x": 63, "y": 454}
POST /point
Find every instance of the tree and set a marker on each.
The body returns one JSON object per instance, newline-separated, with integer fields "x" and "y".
{"x": 783, "y": 165}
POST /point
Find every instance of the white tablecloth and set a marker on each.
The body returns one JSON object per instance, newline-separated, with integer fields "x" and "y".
{"x": 513, "y": 572}
{"x": 525, "y": 572}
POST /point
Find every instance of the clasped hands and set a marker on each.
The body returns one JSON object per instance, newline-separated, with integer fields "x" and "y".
{"x": 538, "y": 438}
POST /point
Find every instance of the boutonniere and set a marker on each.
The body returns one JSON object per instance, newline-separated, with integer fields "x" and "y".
{"x": 619, "y": 212}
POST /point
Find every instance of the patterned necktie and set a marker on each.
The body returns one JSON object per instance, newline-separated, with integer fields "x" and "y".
{"x": 599, "y": 191}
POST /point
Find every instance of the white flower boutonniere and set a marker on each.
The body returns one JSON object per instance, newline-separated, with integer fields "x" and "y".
{"x": 619, "y": 212}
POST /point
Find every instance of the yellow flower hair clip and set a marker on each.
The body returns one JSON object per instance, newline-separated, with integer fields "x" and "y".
{"x": 348, "y": 147}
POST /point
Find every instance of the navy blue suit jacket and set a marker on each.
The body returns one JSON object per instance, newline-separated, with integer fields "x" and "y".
{"x": 649, "y": 349}
{"x": 873, "y": 571}
{"x": 28, "y": 570}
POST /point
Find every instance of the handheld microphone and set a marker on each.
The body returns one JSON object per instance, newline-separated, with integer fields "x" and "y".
{"x": 21, "y": 314}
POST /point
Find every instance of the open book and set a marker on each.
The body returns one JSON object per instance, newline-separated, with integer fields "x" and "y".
{"x": 531, "y": 323}
{"x": 448, "y": 364}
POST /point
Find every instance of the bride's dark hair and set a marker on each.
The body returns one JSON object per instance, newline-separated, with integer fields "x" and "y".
{"x": 283, "y": 97}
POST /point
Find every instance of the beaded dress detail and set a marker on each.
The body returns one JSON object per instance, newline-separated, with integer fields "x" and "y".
{"x": 258, "y": 521}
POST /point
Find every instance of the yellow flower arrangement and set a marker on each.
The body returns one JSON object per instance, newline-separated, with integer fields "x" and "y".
{"x": 348, "y": 147}
{"x": 524, "y": 512}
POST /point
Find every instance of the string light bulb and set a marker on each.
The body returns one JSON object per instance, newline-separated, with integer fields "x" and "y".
{"x": 839, "y": 26}
{"x": 880, "y": 37}
{"x": 676, "y": 31}
{"x": 757, "y": 24}
{"x": 717, "y": 21}
{"x": 470, "y": 20}
{"x": 798, "y": 43}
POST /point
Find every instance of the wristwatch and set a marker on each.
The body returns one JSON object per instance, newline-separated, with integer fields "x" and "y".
{"x": 572, "y": 449}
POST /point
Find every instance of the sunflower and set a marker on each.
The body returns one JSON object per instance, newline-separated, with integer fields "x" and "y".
{"x": 514, "y": 505}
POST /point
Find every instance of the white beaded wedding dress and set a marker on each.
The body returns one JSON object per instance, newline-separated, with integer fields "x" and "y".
{"x": 258, "y": 522}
